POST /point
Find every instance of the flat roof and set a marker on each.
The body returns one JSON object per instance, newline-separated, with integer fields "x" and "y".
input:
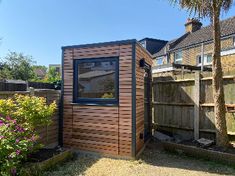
{"x": 119, "y": 42}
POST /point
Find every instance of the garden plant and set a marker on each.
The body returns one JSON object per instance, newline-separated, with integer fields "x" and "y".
{"x": 20, "y": 117}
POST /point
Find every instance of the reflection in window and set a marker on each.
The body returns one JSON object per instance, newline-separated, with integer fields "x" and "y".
{"x": 207, "y": 60}
{"x": 160, "y": 61}
{"x": 178, "y": 57}
{"x": 96, "y": 79}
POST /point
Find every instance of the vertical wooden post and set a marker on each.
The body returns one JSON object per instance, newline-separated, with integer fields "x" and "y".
{"x": 31, "y": 91}
{"x": 27, "y": 85}
{"x": 202, "y": 56}
{"x": 196, "y": 105}
{"x": 182, "y": 72}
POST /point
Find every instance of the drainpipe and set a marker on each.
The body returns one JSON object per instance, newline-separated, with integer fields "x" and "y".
{"x": 202, "y": 56}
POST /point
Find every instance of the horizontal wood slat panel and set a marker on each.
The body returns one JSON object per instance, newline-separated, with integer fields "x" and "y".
{"x": 98, "y": 128}
{"x": 140, "y": 53}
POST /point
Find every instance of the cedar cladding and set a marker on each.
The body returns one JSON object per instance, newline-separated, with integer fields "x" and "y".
{"x": 104, "y": 129}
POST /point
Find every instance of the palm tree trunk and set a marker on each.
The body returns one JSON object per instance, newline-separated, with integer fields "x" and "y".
{"x": 218, "y": 89}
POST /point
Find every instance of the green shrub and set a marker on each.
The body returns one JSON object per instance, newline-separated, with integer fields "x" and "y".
{"x": 20, "y": 116}
{"x": 28, "y": 109}
{"x": 16, "y": 141}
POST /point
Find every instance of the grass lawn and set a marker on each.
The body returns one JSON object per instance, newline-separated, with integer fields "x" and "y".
{"x": 153, "y": 162}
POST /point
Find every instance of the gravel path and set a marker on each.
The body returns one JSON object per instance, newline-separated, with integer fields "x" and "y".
{"x": 153, "y": 162}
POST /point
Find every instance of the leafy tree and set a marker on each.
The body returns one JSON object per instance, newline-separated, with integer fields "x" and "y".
{"x": 213, "y": 9}
{"x": 53, "y": 75}
{"x": 40, "y": 77}
{"x": 17, "y": 66}
{"x": 5, "y": 71}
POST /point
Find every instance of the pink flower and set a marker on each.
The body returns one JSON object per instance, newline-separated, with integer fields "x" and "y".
{"x": 17, "y": 152}
{"x": 13, "y": 171}
{"x": 19, "y": 129}
{"x": 1, "y": 137}
{"x": 8, "y": 118}
{"x": 17, "y": 140}
{"x": 33, "y": 138}
{"x": 1, "y": 123}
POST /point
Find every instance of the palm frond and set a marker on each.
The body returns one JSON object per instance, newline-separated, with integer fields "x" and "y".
{"x": 202, "y": 8}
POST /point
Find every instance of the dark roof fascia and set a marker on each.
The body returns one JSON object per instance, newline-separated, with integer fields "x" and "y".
{"x": 159, "y": 40}
{"x": 199, "y": 43}
{"x": 121, "y": 42}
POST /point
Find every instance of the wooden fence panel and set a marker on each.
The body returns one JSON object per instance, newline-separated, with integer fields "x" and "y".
{"x": 4, "y": 86}
{"x": 174, "y": 104}
{"x": 12, "y": 85}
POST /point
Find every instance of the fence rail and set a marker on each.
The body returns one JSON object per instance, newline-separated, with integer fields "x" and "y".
{"x": 11, "y": 85}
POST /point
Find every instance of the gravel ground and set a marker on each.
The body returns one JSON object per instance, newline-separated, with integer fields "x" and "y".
{"x": 153, "y": 162}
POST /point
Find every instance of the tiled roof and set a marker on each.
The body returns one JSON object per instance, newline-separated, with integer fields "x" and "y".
{"x": 164, "y": 49}
{"x": 202, "y": 35}
{"x": 40, "y": 72}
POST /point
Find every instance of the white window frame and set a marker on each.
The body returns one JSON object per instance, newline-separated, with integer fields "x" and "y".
{"x": 234, "y": 41}
{"x": 205, "y": 62}
{"x": 159, "y": 58}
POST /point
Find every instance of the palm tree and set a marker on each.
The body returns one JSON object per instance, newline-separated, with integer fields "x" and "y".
{"x": 213, "y": 9}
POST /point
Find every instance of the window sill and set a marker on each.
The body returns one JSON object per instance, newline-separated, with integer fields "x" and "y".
{"x": 95, "y": 104}
{"x": 208, "y": 64}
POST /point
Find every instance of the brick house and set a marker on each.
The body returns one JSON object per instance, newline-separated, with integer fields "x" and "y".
{"x": 195, "y": 47}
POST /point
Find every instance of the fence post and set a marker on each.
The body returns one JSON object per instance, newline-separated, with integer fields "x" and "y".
{"x": 31, "y": 91}
{"x": 27, "y": 85}
{"x": 196, "y": 104}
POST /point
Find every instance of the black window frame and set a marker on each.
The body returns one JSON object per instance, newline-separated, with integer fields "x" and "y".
{"x": 95, "y": 101}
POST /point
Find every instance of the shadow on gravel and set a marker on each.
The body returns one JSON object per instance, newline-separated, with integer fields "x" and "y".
{"x": 155, "y": 155}
{"x": 77, "y": 166}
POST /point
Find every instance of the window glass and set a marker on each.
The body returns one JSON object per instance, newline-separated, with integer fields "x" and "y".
{"x": 160, "y": 61}
{"x": 143, "y": 43}
{"x": 199, "y": 59}
{"x": 96, "y": 79}
{"x": 178, "y": 57}
{"x": 206, "y": 61}
{"x": 209, "y": 59}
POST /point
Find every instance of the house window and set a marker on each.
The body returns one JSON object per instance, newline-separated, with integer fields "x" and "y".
{"x": 159, "y": 61}
{"x": 206, "y": 61}
{"x": 178, "y": 57}
{"x": 96, "y": 80}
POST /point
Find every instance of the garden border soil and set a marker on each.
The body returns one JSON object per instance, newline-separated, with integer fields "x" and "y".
{"x": 36, "y": 168}
{"x": 226, "y": 158}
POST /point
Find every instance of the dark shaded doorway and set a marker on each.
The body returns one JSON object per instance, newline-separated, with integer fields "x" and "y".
{"x": 147, "y": 102}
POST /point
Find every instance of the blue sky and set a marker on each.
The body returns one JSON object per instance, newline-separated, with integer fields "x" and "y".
{"x": 40, "y": 27}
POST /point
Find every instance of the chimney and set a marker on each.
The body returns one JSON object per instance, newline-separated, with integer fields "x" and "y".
{"x": 192, "y": 25}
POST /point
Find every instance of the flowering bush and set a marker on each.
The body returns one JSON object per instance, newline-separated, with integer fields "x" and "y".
{"x": 28, "y": 109}
{"x": 20, "y": 116}
{"x": 16, "y": 141}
